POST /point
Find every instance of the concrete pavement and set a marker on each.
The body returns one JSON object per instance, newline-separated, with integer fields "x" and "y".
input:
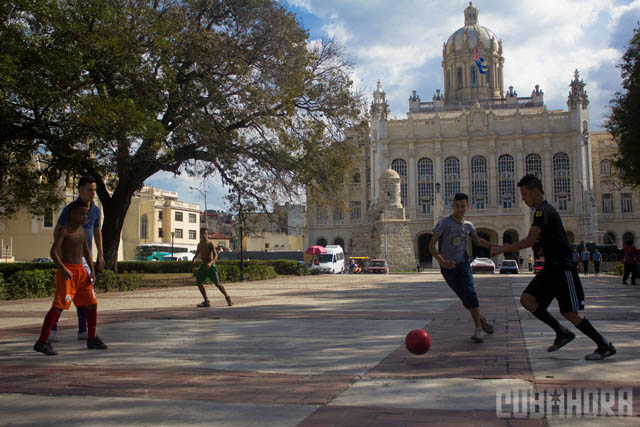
{"x": 321, "y": 351}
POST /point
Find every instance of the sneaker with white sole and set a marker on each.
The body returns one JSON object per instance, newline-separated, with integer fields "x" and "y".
{"x": 83, "y": 336}
{"x": 601, "y": 353}
{"x": 477, "y": 335}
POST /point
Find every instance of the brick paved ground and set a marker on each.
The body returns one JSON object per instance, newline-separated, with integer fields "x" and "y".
{"x": 314, "y": 351}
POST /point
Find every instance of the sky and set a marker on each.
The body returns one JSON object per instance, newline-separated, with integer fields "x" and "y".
{"x": 400, "y": 42}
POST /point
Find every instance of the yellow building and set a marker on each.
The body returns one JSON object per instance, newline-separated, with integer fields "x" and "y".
{"x": 153, "y": 216}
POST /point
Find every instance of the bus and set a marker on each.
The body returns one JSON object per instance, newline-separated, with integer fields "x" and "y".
{"x": 156, "y": 251}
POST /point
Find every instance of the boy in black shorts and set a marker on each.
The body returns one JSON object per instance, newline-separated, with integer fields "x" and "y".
{"x": 559, "y": 278}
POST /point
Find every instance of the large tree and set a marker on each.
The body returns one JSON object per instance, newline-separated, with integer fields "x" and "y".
{"x": 123, "y": 89}
{"x": 624, "y": 120}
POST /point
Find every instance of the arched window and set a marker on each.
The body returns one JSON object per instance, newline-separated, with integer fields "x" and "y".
{"x": 451, "y": 180}
{"x": 460, "y": 83}
{"x": 400, "y": 166}
{"x": 474, "y": 76}
{"x": 609, "y": 238}
{"x": 628, "y": 237}
{"x": 479, "y": 187}
{"x": 339, "y": 241}
{"x": 534, "y": 165}
{"x": 506, "y": 182}
{"x": 144, "y": 227}
{"x": 561, "y": 180}
{"x": 605, "y": 167}
{"x": 425, "y": 184}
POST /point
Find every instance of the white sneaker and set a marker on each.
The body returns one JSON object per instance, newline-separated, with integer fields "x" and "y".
{"x": 477, "y": 335}
{"x": 83, "y": 336}
{"x": 52, "y": 336}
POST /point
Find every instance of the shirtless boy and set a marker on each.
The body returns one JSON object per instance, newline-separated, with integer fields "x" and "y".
{"x": 73, "y": 283}
{"x": 207, "y": 253}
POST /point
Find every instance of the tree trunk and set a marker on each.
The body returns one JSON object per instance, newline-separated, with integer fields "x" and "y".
{"x": 115, "y": 211}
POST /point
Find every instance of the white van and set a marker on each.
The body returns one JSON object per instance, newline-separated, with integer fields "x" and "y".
{"x": 179, "y": 256}
{"x": 330, "y": 262}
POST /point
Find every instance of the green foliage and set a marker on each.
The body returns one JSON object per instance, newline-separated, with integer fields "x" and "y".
{"x": 259, "y": 271}
{"x": 30, "y": 284}
{"x": 154, "y": 266}
{"x": 8, "y": 269}
{"x": 623, "y": 121}
{"x": 288, "y": 267}
{"x": 108, "y": 281}
{"x": 3, "y": 290}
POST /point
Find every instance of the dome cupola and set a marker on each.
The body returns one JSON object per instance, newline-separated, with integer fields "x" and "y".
{"x": 472, "y": 63}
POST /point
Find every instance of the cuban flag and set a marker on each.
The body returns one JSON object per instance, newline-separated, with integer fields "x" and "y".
{"x": 480, "y": 62}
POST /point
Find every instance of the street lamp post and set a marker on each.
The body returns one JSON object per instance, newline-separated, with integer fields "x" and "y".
{"x": 172, "y": 234}
{"x": 204, "y": 194}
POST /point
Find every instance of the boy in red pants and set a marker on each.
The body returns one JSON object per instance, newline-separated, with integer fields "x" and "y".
{"x": 73, "y": 283}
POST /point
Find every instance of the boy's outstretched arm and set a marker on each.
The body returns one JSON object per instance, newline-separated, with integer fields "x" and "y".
{"x": 527, "y": 242}
{"x": 479, "y": 241}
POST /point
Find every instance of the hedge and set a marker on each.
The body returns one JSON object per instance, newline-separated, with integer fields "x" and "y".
{"x": 35, "y": 280}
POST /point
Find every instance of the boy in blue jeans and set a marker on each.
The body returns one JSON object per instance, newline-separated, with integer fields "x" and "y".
{"x": 453, "y": 258}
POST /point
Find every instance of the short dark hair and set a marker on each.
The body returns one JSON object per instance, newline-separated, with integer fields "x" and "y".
{"x": 84, "y": 180}
{"x": 461, "y": 196}
{"x": 531, "y": 182}
{"x": 203, "y": 229}
{"x": 77, "y": 204}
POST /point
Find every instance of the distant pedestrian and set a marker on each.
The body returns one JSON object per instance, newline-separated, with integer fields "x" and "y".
{"x": 530, "y": 262}
{"x": 575, "y": 256}
{"x": 559, "y": 279}
{"x": 596, "y": 257}
{"x": 584, "y": 256}
{"x": 630, "y": 254}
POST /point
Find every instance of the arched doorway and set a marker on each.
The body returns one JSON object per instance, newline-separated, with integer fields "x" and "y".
{"x": 322, "y": 242}
{"x": 510, "y": 236}
{"x": 570, "y": 237}
{"x": 425, "y": 259}
{"x": 339, "y": 241}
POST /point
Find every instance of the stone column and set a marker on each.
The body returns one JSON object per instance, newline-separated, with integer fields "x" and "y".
{"x": 492, "y": 175}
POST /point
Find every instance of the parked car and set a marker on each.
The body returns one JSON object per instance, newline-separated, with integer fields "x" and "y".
{"x": 180, "y": 256}
{"x": 330, "y": 262}
{"x": 509, "y": 266}
{"x": 43, "y": 259}
{"x": 538, "y": 266}
{"x": 483, "y": 265}
{"x": 377, "y": 266}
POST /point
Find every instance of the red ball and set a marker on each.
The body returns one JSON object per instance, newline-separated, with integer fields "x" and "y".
{"x": 418, "y": 341}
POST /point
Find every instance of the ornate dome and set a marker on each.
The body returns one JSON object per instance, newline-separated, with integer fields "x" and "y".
{"x": 475, "y": 35}
{"x": 390, "y": 174}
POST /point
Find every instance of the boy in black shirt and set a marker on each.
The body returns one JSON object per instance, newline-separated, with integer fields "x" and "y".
{"x": 559, "y": 278}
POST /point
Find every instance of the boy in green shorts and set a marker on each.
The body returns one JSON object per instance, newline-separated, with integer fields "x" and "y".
{"x": 207, "y": 253}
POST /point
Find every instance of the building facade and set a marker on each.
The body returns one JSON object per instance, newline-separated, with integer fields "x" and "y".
{"x": 477, "y": 138}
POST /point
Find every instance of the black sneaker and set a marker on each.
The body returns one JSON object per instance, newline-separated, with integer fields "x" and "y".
{"x": 204, "y": 304}
{"x": 229, "y": 303}
{"x": 45, "y": 347}
{"x": 96, "y": 344}
{"x": 561, "y": 341}
{"x": 601, "y": 353}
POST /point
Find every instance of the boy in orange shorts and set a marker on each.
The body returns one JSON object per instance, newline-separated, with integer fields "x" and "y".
{"x": 73, "y": 283}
